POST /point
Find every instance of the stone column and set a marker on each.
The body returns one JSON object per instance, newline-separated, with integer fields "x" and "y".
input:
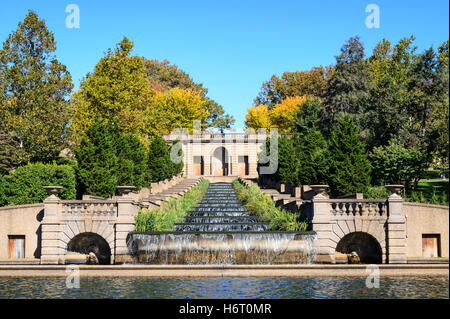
{"x": 126, "y": 210}
{"x": 396, "y": 231}
{"x": 51, "y": 247}
{"x": 321, "y": 224}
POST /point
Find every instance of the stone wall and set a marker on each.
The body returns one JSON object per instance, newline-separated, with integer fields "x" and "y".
{"x": 21, "y": 220}
{"x": 426, "y": 219}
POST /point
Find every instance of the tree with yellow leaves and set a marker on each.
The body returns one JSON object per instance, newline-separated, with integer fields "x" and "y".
{"x": 282, "y": 115}
{"x": 257, "y": 117}
{"x": 118, "y": 89}
{"x": 176, "y": 108}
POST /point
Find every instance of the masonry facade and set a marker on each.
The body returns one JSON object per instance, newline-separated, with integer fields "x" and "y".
{"x": 224, "y": 154}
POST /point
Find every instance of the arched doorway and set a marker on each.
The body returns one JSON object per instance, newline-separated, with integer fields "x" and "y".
{"x": 364, "y": 244}
{"x": 85, "y": 243}
{"x": 219, "y": 162}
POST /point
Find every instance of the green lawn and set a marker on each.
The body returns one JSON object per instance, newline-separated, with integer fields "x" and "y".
{"x": 430, "y": 191}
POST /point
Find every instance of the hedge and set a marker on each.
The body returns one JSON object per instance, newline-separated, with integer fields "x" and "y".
{"x": 26, "y": 184}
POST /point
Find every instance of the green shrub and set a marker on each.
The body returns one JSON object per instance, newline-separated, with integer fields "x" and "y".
{"x": 259, "y": 204}
{"x": 396, "y": 164}
{"x": 25, "y": 184}
{"x": 376, "y": 192}
{"x": 171, "y": 212}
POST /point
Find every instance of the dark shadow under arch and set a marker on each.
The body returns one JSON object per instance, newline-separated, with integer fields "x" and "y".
{"x": 85, "y": 243}
{"x": 364, "y": 244}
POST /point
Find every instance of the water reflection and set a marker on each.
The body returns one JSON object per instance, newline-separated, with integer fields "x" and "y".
{"x": 224, "y": 288}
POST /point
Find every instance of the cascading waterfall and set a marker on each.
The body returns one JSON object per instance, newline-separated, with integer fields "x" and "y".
{"x": 220, "y": 231}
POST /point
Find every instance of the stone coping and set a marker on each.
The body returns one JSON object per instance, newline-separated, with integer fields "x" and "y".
{"x": 354, "y": 200}
{"x": 223, "y": 232}
{"x": 425, "y": 205}
{"x": 291, "y": 270}
{"x": 22, "y": 206}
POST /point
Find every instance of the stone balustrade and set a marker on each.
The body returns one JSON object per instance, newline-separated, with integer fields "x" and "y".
{"x": 361, "y": 207}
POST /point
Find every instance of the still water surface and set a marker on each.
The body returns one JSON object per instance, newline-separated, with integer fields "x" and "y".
{"x": 228, "y": 287}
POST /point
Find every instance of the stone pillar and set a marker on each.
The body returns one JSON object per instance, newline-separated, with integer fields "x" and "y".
{"x": 126, "y": 210}
{"x": 321, "y": 224}
{"x": 51, "y": 247}
{"x": 396, "y": 231}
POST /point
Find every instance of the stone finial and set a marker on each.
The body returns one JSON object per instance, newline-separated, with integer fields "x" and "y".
{"x": 395, "y": 189}
{"x": 319, "y": 189}
{"x": 125, "y": 190}
{"x": 53, "y": 190}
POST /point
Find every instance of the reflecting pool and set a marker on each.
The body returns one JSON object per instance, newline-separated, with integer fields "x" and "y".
{"x": 227, "y": 287}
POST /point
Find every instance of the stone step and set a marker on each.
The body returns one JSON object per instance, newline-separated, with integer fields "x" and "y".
{"x": 221, "y": 219}
{"x": 219, "y": 227}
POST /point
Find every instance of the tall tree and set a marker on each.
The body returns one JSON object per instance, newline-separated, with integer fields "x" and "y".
{"x": 11, "y": 155}
{"x": 175, "y": 108}
{"x": 34, "y": 87}
{"x": 298, "y": 83}
{"x": 428, "y": 99}
{"x": 349, "y": 85}
{"x": 165, "y": 76}
{"x": 119, "y": 90}
{"x": 386, "y": 114}
{"x": 258, "y": 118}
{"x": 282, "y": 115}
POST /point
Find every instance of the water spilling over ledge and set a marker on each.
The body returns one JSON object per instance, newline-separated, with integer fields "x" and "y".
{"x": 220, "y": 231}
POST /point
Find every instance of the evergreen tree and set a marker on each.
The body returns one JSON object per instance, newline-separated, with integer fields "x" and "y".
{"x": 97, "y": 159}
{"x": 131, "y": 162}
{"x": 348, "y": 87}
{"x": 349, "y": 168}
{"x": 311, "y": 154}
{"x": 287, "y": 161}
{"x": 34, "y": 88}
{"x": 307, "y": 116}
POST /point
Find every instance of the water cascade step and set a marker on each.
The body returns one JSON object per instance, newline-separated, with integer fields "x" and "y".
{"x": 220, "y": 231}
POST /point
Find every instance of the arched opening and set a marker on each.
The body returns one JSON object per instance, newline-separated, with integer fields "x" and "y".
{"x": 364, "y": 244}
{"x": 219, "y": 162}
{"x": 86, "y": 243}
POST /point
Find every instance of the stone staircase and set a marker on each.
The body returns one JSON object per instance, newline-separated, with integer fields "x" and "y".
{"x": 175, "y": 191}
{"x": 219, "y": 211}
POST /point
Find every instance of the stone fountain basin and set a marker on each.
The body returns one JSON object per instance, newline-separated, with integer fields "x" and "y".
{"x": 222, "y": 247}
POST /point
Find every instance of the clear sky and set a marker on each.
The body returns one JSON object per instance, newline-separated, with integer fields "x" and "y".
{"x": 230, "y": 46}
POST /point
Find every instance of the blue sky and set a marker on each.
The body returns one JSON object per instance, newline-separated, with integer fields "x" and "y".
{"x": 231, "y": 47}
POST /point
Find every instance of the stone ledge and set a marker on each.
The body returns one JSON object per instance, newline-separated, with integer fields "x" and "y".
{"x": 296, "y": 270}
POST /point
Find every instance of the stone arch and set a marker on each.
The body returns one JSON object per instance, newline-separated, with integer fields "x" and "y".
{"x": 375, "y": 228}
{"x": 220, "y": 163}
{"x": 101, "y": 227}
{"x": 88, "y": 242}
{"x": 365, "y": 245}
